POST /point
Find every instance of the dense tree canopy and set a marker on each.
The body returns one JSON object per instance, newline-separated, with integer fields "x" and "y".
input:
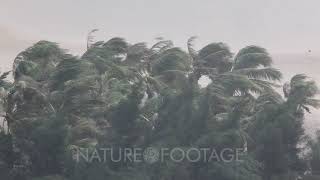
{"x": 123, "y": 95}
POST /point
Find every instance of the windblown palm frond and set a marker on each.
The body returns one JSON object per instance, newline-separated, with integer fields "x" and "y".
{"x": 236, "y": 83}
{"x": 161, "y": 46}
{"x": 252, "y": 57}
{"x": 114, "y": 50}
{"x": 268, "y": 98}
{"x": 69, "y": 69}
{"x": 171, "y": 59}
{"x": 193, "y": 53}
{"x": 174, "y": 80}
{"x": 119, "y": 45}
{"x": 90, "y": 37}
{"x": 215, "y": 55}
{"x": 136, "y": 54}
{"x": 264, "y": 73}
{"x": 5, "y": 84}
{"x": 301, "y": 92}
{"x": 39, "y": 60}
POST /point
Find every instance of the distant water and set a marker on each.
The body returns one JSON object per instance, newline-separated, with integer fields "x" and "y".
{"x": 291, "y": 64}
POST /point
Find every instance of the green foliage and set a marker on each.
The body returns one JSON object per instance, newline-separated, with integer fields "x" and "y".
{"x": 123, "y": 95}
{"x": 315, "y": 155}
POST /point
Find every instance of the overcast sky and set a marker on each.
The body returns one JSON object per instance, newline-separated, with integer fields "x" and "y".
{"x": 281, "y": 26}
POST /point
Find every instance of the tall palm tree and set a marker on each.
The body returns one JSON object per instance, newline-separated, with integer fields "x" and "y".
{"x": 300, "y": 93}
{"x": 119, "y": 94}
{"x": 250, "y": 69}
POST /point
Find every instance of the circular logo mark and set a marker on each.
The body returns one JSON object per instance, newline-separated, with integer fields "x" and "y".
{"x": 151, "y": 155}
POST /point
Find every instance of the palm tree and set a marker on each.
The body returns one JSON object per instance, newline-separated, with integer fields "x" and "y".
{"x": 119, "y": 95}
{"x": 284, "y": 118}
{"x": 301, "y": 92}
{"x": 236, "y": 82}
{"x": 249, "y": 70}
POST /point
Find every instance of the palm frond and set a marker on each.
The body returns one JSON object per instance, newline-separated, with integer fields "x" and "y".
{"x": 215, "y": 55}
{"x": 174, "y": 79}
{"x": 171, "y": 59}
{"x": 263, "y": 73}
{"x": 117, "y": 44}
{"x": 90, "y": 38}
{"x": 191, "y": 50}
{"x": 252, "y": 60}
{"x": 4, "y": 75}
{"x": 266, "y": 85}
{"x": 313, "y": 103}
{"x": 265, "y": 98}
{"x": 136, "y": 54}
{"x": 298, "y": 79}
{"x": 161, "y": 46}
{"x": 252, "y": 57}
{"x": 236, "y": 82}
{"x": 300, "y": 92}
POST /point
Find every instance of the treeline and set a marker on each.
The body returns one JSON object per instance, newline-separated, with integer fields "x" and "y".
{"x": 123, "y": 95}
